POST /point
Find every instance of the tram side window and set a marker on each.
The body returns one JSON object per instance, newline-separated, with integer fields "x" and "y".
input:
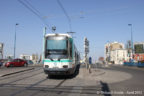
{"x": 70, "y": 49}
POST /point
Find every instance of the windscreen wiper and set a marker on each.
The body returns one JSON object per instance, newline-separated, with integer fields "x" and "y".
{"x": 59, "y": 59}
{"x": 51, "y": 59}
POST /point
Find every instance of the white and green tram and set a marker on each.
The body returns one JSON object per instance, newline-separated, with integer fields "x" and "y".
{"x": 60, "y": 55}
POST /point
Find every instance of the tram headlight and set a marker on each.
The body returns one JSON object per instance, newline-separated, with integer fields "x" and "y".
{"x": 65, "y": 66}
{"x": 46, "y": 66}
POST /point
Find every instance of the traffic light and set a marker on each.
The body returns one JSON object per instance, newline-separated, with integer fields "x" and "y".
{"x": 86, "y": 45}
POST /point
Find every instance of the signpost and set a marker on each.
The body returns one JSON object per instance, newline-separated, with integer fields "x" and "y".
{"x": 86, "y": 50}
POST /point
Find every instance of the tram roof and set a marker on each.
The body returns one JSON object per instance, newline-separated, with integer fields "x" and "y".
{"x": 57, "y": 34}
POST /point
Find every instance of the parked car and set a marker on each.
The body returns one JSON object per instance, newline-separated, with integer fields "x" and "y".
{"x": 29, "y": 62}
{"x": 16, "y": 62}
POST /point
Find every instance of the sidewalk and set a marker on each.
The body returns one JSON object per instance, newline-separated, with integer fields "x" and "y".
{"x": 88, "y": 78}
{"x": 94, "y": 72}
{"x": 108, "y": 76}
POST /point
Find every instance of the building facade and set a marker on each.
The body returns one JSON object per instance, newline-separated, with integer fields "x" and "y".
{"x": 118, "y": 56}
{"x": 115, "y": 53}
{"x": 26, "y": 57}
{"x": 33, "y": 57}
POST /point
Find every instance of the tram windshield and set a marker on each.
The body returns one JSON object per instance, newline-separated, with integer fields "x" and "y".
{"x": 56, "y": 48}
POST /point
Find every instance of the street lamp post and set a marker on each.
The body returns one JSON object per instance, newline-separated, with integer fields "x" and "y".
{"x": 15, "y": 39}
{"x": 131, "y": 40}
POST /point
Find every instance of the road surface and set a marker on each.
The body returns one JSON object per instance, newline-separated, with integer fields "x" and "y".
{"x": 103, "y": 81}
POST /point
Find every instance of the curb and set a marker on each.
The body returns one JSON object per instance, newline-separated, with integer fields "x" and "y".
{"x": 36, "y": 65}
{"x": 97, "y": 72}
{"x": 16, "y": 72}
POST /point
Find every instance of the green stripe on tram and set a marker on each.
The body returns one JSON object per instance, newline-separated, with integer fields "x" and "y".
{"x": 58, "y": 61}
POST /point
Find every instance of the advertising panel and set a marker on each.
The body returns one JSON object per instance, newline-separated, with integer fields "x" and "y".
{"x": 139, "y": 48}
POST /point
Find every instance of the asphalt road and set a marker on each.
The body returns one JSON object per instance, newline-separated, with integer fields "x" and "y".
{"x": 36, "y": 83}
{"x": 134, "y": 85}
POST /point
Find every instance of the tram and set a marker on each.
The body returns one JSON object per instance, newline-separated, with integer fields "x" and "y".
{"x": 60, "y": 55}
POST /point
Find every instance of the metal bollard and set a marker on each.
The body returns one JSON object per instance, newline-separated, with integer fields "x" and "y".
{"x": 90, "y": 68}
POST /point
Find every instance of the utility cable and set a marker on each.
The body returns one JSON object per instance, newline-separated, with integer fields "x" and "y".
{"x": 66, "y": 14}
{"x": 34, "y": 11}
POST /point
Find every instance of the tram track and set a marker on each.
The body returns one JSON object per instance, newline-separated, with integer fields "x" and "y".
{"x": 28, "y": 87}
{"x": 32, "y": 86}
{"x": 1, "y": 85}
{"x": 53, "y": 90}
{"x": 57, "y": 89}
{"x": 21, "y": 78}
{"x": 19, "y": 74}
{"x": 14, "y": 80}
{"x": 45, "y": 88}
{"x": 16, "y": 72}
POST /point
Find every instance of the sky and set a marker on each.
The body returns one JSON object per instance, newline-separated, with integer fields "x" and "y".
{"x": 101, "y": 21}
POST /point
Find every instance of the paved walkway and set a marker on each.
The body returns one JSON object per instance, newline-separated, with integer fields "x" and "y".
{"x": 108, "y": 76}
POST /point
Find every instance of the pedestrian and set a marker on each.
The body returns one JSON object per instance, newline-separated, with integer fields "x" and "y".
{"x": 90, "y": 62}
